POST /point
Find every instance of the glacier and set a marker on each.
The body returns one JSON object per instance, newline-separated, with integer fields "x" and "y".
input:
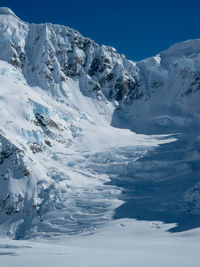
{"x": 96, "y": 149}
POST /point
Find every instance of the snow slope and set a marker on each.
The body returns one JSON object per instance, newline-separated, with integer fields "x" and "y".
{"x": 76, "y": 128}
{"x": 169, "y": 92}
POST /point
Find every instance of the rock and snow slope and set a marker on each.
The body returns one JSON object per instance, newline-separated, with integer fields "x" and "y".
{"x": 67, "y": 107}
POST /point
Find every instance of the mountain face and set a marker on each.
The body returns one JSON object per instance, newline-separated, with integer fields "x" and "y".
{"x": 67, "y": 155}
{"x": 49, "y": 54}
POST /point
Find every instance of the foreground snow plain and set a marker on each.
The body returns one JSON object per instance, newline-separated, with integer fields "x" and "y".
{"x": 121, "y": 243}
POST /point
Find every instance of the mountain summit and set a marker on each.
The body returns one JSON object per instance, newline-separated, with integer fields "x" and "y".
{"x": 76, "y": 130}
{"x": 6, "y": 11}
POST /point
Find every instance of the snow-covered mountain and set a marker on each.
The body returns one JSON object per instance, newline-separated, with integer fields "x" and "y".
{"x": 67, "y": 106}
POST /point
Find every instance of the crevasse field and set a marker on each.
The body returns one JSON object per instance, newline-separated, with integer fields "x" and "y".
{"x": 99, "y": 155}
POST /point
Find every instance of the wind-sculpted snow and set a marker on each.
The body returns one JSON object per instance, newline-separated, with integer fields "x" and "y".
{"x": 70, "y": 159}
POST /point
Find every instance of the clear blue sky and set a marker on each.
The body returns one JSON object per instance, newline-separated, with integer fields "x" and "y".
{"x": 138, "y": 29}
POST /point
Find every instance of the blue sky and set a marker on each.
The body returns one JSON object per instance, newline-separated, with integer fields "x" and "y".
{"x": 138, "y": 29}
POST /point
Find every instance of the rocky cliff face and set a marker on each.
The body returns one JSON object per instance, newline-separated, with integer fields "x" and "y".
{"x": 49, "y": 54}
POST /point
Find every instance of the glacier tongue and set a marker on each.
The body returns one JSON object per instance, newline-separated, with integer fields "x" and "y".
{"x": 56, "y": 157}
{"x": 67, "y": 152}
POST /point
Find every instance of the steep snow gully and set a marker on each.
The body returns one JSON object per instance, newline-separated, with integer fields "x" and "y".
{"x": 87, "y": 136}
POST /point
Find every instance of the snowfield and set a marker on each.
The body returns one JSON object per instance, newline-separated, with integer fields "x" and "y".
{"x": 124, "y": 242}
{"x": 99, "y": 155}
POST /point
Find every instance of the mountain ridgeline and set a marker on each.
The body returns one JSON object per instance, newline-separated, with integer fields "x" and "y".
{"x": 49, "y": 55}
